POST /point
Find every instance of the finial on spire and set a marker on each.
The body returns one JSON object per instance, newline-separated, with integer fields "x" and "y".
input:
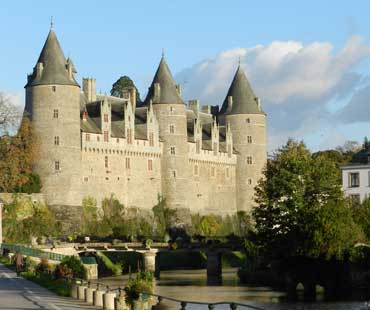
{"x": 239, "y": 61}
{"x": 51, "y": 23}
{"x": 162, "y": 52}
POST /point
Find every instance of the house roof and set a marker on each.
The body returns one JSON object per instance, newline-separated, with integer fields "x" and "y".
{"x": 54, "y": 65}
{"x": 243, "y": 99}
{"x": 168, "y": 91}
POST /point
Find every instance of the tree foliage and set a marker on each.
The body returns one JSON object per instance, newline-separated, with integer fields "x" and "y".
{"x": 301, "y": 208}
{"x": 17, "y": 156}
{"x": 23, "y": 219}
{"x": 119, "y": 86}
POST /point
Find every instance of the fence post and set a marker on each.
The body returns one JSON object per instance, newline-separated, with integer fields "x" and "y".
{"x": 98, "y": 297}
{"x": 108, "y": 299}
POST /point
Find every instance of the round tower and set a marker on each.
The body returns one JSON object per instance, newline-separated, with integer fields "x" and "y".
{"x": 53, "y": 105}
{"x": 242, "y": 110}
{"x": 170, "y": 112}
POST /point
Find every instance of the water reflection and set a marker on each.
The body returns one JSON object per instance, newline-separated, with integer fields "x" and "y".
{"x": 191, "y": 285}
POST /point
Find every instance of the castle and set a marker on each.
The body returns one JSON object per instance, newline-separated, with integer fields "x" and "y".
{"x": 200, "y": 158}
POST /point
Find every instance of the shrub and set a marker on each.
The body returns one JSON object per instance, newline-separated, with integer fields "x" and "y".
{"x": 116, "y": 269}
{"x": 143, "y": 283}
{"x": 43, "y": 267}
{"x": 74, "y": 265}
{"x": 63, "y": 272}
{"x": 30, "y": 265}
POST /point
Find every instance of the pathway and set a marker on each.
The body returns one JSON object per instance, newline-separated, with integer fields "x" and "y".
{"x": 17, "y": 293}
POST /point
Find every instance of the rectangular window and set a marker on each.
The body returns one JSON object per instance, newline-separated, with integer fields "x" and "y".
{"x": 354, "y": 179}
{"x": 172, "y": 128}
{"x": 56, "y": 140}
{"x": 196, "y": 170}
{"x": 249, "y": 139}
{"x": 150, "y": 164}
{"x": 105, "y": 136}
{"x": 249, "y": 160}
{"x": 197, "y": 147}
{"x": 98, "y": 138}
{"x": 129, "y": 136}
{"x": 106, "y": 118}
{"x": 56, "y": 165}
{"x": 128, "y": 163}
{"x": 248, "y": 120}
{"x": 54, "y": 89}
{"x": 227, "y": 172}
{"x": 106, "y": 163}
{"x": 151, "y": 139}
{"x": 213, "y": 171}
{"x": 172, "y": 150}
{"x": 117, "y": 140}
{"x": 87, "y": 137}
{"x": 56, "y": 113}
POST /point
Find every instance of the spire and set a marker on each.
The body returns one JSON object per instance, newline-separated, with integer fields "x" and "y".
{"x": 240, "y": 98}
{"x": 163, "y": 88}
{"x": 51, "y": 67}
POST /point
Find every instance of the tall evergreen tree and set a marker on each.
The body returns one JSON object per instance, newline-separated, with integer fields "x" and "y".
{"x": 119, "y": 86}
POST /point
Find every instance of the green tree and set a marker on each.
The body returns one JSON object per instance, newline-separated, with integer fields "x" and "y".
{"x": 163, "y": 216}
{"x": 89, "y": 223}
{"x": 119, "y": 86}
{"x": 361, "y": 215}
{"x": 300, "y": 206}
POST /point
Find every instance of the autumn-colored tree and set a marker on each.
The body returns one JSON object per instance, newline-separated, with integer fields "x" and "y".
{"x": 17, "y": 156}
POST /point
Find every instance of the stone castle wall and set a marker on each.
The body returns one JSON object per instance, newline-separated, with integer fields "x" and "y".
{"x": 120, "y": 169}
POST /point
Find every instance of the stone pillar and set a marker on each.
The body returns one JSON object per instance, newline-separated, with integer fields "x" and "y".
{"x": 120, "y": 301}
{"x": 81, "y": 291}
{"x": 149, "y": 260}
{"x": 108, "y": 300}
{"x": 74, "y": 288}
{"x": 89, "y": 294}
{"x": 214, "y": 268}
{"x": 309, "y": 290}
{"x": 98, "y": 297}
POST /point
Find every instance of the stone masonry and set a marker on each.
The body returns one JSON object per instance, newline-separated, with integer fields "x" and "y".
{"x": 200, "y": 159}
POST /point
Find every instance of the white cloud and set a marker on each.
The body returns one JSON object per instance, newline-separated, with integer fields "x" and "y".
{"x": 296, "y": 82}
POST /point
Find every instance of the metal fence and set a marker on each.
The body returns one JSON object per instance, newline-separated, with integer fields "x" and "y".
{"x": 31, "y": 252}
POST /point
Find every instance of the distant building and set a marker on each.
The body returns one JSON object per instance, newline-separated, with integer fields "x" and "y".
{"x": 202, "y": 159}
{"x": 356, "y": 176}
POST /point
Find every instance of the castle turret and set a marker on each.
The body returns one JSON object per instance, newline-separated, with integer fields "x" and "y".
{"x": 170, "y": 112}
{"x": 242, "y": 111}
{"x": 53, "y": 105}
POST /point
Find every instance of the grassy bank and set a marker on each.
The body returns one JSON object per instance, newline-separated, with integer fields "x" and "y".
{"x": 59, "y": 286}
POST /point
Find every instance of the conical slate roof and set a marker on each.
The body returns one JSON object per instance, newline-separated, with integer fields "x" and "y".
{"x": 168, "y": 91}
{"x": 244, "y": 101}
{"x": 54, "y": 65}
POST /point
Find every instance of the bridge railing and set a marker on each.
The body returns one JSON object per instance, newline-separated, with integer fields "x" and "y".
{"x": 28, "y": 251}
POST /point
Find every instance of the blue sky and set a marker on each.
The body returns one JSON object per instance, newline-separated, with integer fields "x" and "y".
{"x": 309, "y": 61}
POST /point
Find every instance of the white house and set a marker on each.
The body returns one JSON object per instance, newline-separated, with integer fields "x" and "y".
{"x": 356, "y": 176}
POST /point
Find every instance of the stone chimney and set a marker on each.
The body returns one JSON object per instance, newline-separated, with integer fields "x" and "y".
{"x": 194, "y": 106}
{"x": 89, "y": 88}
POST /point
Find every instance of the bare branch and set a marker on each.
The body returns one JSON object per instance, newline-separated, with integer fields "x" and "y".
{"x": 10, "y": 115}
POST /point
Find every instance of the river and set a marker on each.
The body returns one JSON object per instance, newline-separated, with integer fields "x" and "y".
{"x": 191, "y": 285}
